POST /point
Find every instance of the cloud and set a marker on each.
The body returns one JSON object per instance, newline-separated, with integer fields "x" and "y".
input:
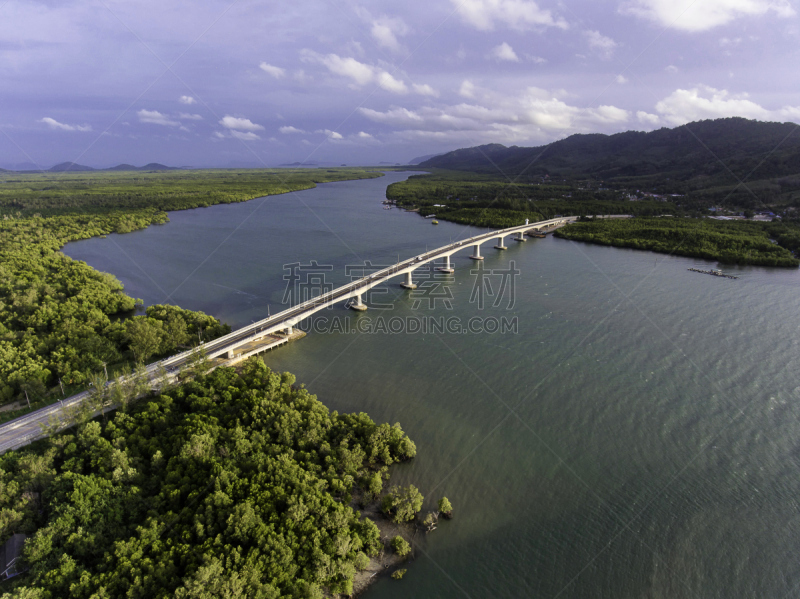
{"x": 504, "y": 52}
{"x": 329, "y": 133}
{"x": 364, "y": 135}
{"x": 389, "y": 83}
{"x": 54, "y": 124}
{"x": 671, "y": 69}
{"x": 289, "y": 130}
{"x": 385, "y": 31}
{"x": 703, "y": 102}
{"x": 704, "y": 14}
{"x": 187, "y": 100}
{"x": 467, "y": 89}
{"x": 516, "y": 14}
{"x": 276, "y": 72}
{"x": 359, "y": 72}
{"x": 621, "y": 79}
{"x": 647, "y": 118}
{"x": 189, "y": 117}
{"x": 423, "y": 89}
{"x": 244, "y": 135}
{"x": 604, "y": 46}
{"x": 536, "y": 59}
{"x": 529, "y": 115}
{"x": 236, "y": 123}
{"x": 154, "y": 117}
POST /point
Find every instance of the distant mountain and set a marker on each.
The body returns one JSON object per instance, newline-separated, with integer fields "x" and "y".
{"x": 295, "y": 164}
{"x": 155, "y": 166}
{"x": 69, "y": 166}
{"x": 706, "y": 150}
{"x": 420, "y": 159}
{"x": 21, "y": 166}
{"x": 123, "y": 167}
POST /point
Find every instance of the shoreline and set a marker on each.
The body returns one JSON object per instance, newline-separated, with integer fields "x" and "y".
{"x": 386, "y": 562}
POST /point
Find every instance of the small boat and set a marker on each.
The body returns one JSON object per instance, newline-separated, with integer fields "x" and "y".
{"x": 434, "y": 222}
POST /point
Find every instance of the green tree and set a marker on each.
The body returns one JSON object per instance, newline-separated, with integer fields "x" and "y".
{"x": 445, "y": 507}
{"x": 400, "y": 546}
{"x": 402, "y": 503}
{"x": 144, "y": 337}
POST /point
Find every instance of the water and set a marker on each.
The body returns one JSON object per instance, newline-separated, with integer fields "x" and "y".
{"x": 638, "y": 436}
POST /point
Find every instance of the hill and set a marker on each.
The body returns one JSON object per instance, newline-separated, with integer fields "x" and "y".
{"x": 421, "y": 159}
{"x": 155, "y": 166}
{"x": 702, "y": 154}
{"x": 69, "y": 166}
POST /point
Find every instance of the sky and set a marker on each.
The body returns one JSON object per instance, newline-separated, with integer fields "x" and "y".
{"x": 245, "y": 83}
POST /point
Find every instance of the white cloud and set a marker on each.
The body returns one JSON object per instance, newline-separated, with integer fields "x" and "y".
{"x": 604, "y": 46}
{"x": 154, "y": 117}
{"x": 671, "y": 69}
{"x": 364, "y": 135}
{"x": 647, "y": 118}
{"x": 536, "y": 59}
{"x": 703, "y": 102}
{"x": 347, "y": 67}
{"x": 621, "y": 79}
{"x": 289, "y": 130}
{"x": 329, "y": 133}
{"x": 54, "y": 124}
{"x": 189, "y": 117}
{"x": 504, "y": 52}
{"x": 389, "y": 83}
{"x": 244, "y": 135}
{"x": 517, "y": 14}
{"x": 276, "y": 72}
{"x": 467, "y": 89}
{"x": 242, "y": 124}
{"x": 529, "y": 115}
{"x": 359, "y": 72}
{"x": 424, "y": 89}
{"x": 704, "y": 14}
{"x": 187, "y": 100}
{"x": 385, "y": 31}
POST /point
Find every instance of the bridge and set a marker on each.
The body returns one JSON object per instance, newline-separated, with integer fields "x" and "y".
{"x": 276, "y": 329}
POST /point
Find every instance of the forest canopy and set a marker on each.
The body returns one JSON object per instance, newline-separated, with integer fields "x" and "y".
{"x": 235, "y": 484}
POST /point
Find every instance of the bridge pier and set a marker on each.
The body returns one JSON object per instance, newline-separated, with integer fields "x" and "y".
{"x": 520, "y": 237}
{"x": 447, "y": 266}
{"x": 408, "y": 284}
{"x": 477, "y": 254}
{"x": 359, "y": 305}
{"x": 289, "y": 330}
{"x": 500, "y": 245}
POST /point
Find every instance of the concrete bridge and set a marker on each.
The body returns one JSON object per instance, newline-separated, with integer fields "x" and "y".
{"x": 284, "y": 322}
{"x": 277, "y": 329}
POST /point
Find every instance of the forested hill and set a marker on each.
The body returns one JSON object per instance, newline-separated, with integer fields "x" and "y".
{"x": 703, "y": 150}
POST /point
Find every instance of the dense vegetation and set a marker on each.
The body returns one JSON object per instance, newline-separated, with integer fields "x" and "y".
{"x": 59, "y": 318}
{"x": 485, "y": 201}
{"x": 732, "y": 242}
{"x": 236, "y": 484}
{"x": 27, "y": 194}
{"x": 704, "y": 160}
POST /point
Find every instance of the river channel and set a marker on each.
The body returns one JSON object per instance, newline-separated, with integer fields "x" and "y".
{"x": 634, "y": 435}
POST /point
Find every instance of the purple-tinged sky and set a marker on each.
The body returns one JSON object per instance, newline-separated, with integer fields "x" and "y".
{"x": 212, "y": 83}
